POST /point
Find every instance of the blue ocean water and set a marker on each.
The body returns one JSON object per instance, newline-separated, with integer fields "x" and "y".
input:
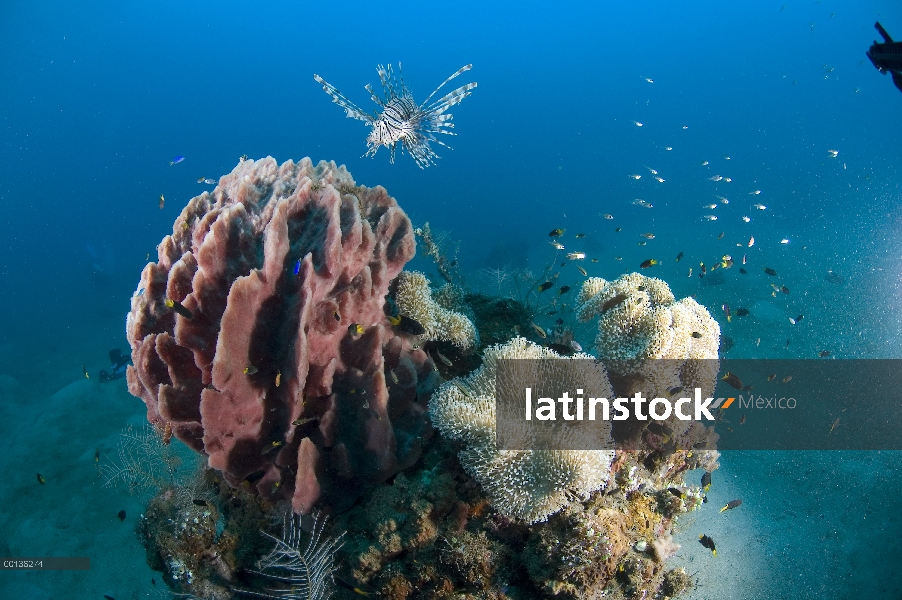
{"x": 98, "y": 99}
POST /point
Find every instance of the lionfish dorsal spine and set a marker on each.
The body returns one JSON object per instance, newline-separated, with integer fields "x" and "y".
{"x": 385, "y": 78}
{"x": 373, "y": 95}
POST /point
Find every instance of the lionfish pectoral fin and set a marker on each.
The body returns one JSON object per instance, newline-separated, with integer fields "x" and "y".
{"x": 463, "y": 69}
{"x": 451, "y": 99}
{"x": 351, "y": 109}
{"x": 438, "y": 124}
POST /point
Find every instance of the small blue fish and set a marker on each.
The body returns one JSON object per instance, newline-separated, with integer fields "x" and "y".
{"x": 176, "y": 160}
{"x": 209, "y": 181}
{"x": 297, "y": 267}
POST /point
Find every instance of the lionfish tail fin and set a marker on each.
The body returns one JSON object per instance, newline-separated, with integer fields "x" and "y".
{"x": 351, "y": 109}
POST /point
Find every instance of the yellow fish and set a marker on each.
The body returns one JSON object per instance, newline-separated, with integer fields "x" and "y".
{"x": 177, "y": 307}
{"x": 349, "y": 586}
{"x": 271, "y": 447}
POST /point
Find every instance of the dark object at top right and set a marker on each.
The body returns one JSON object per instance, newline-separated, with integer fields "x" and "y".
{"x": 887, "y": 57}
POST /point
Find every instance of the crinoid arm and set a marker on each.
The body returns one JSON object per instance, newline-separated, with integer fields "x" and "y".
{"x": 302, "y": 571}
{"x": 351, "y": 109}
{"x": 145, "y": 462}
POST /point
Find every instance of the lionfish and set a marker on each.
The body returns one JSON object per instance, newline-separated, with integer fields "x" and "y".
{"x": 401, "y": 120}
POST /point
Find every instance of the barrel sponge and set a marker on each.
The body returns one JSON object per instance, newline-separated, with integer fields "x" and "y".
{"x": 414, "y": 299}
{"x": 642, "y": 321}
{"x": 259, "y": 336}
{"x": 524, "y": 484}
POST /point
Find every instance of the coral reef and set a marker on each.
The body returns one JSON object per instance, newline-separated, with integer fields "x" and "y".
{"x": 205, "y": 536}
{"x": 414, "y": 299}
{"x": 592, "y": 551}
{"x": 259, "y": 336}
{"x": 577, "y": 524}
{"x": 497, "y": 319}
{"x": 432, "y": 533}
{"x": 209, "y": 541}
{"x": 426, "y": 534}
{"x": 181, "y": 539}
{"x": 266, "y": 338}
{"x": 525, "y": 484}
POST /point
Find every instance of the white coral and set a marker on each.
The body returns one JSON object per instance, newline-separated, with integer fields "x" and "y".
{"x": 414, "y": 299}
{"x": 638, "y": 319}
{"x": 590, "y": 288}
{"x": 525, "y": 484}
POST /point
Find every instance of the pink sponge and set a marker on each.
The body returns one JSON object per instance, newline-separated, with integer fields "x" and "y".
{"x": 258, "y": 362}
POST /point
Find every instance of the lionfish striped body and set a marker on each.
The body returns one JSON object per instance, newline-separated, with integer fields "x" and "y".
{"x": 401, "y": 120}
